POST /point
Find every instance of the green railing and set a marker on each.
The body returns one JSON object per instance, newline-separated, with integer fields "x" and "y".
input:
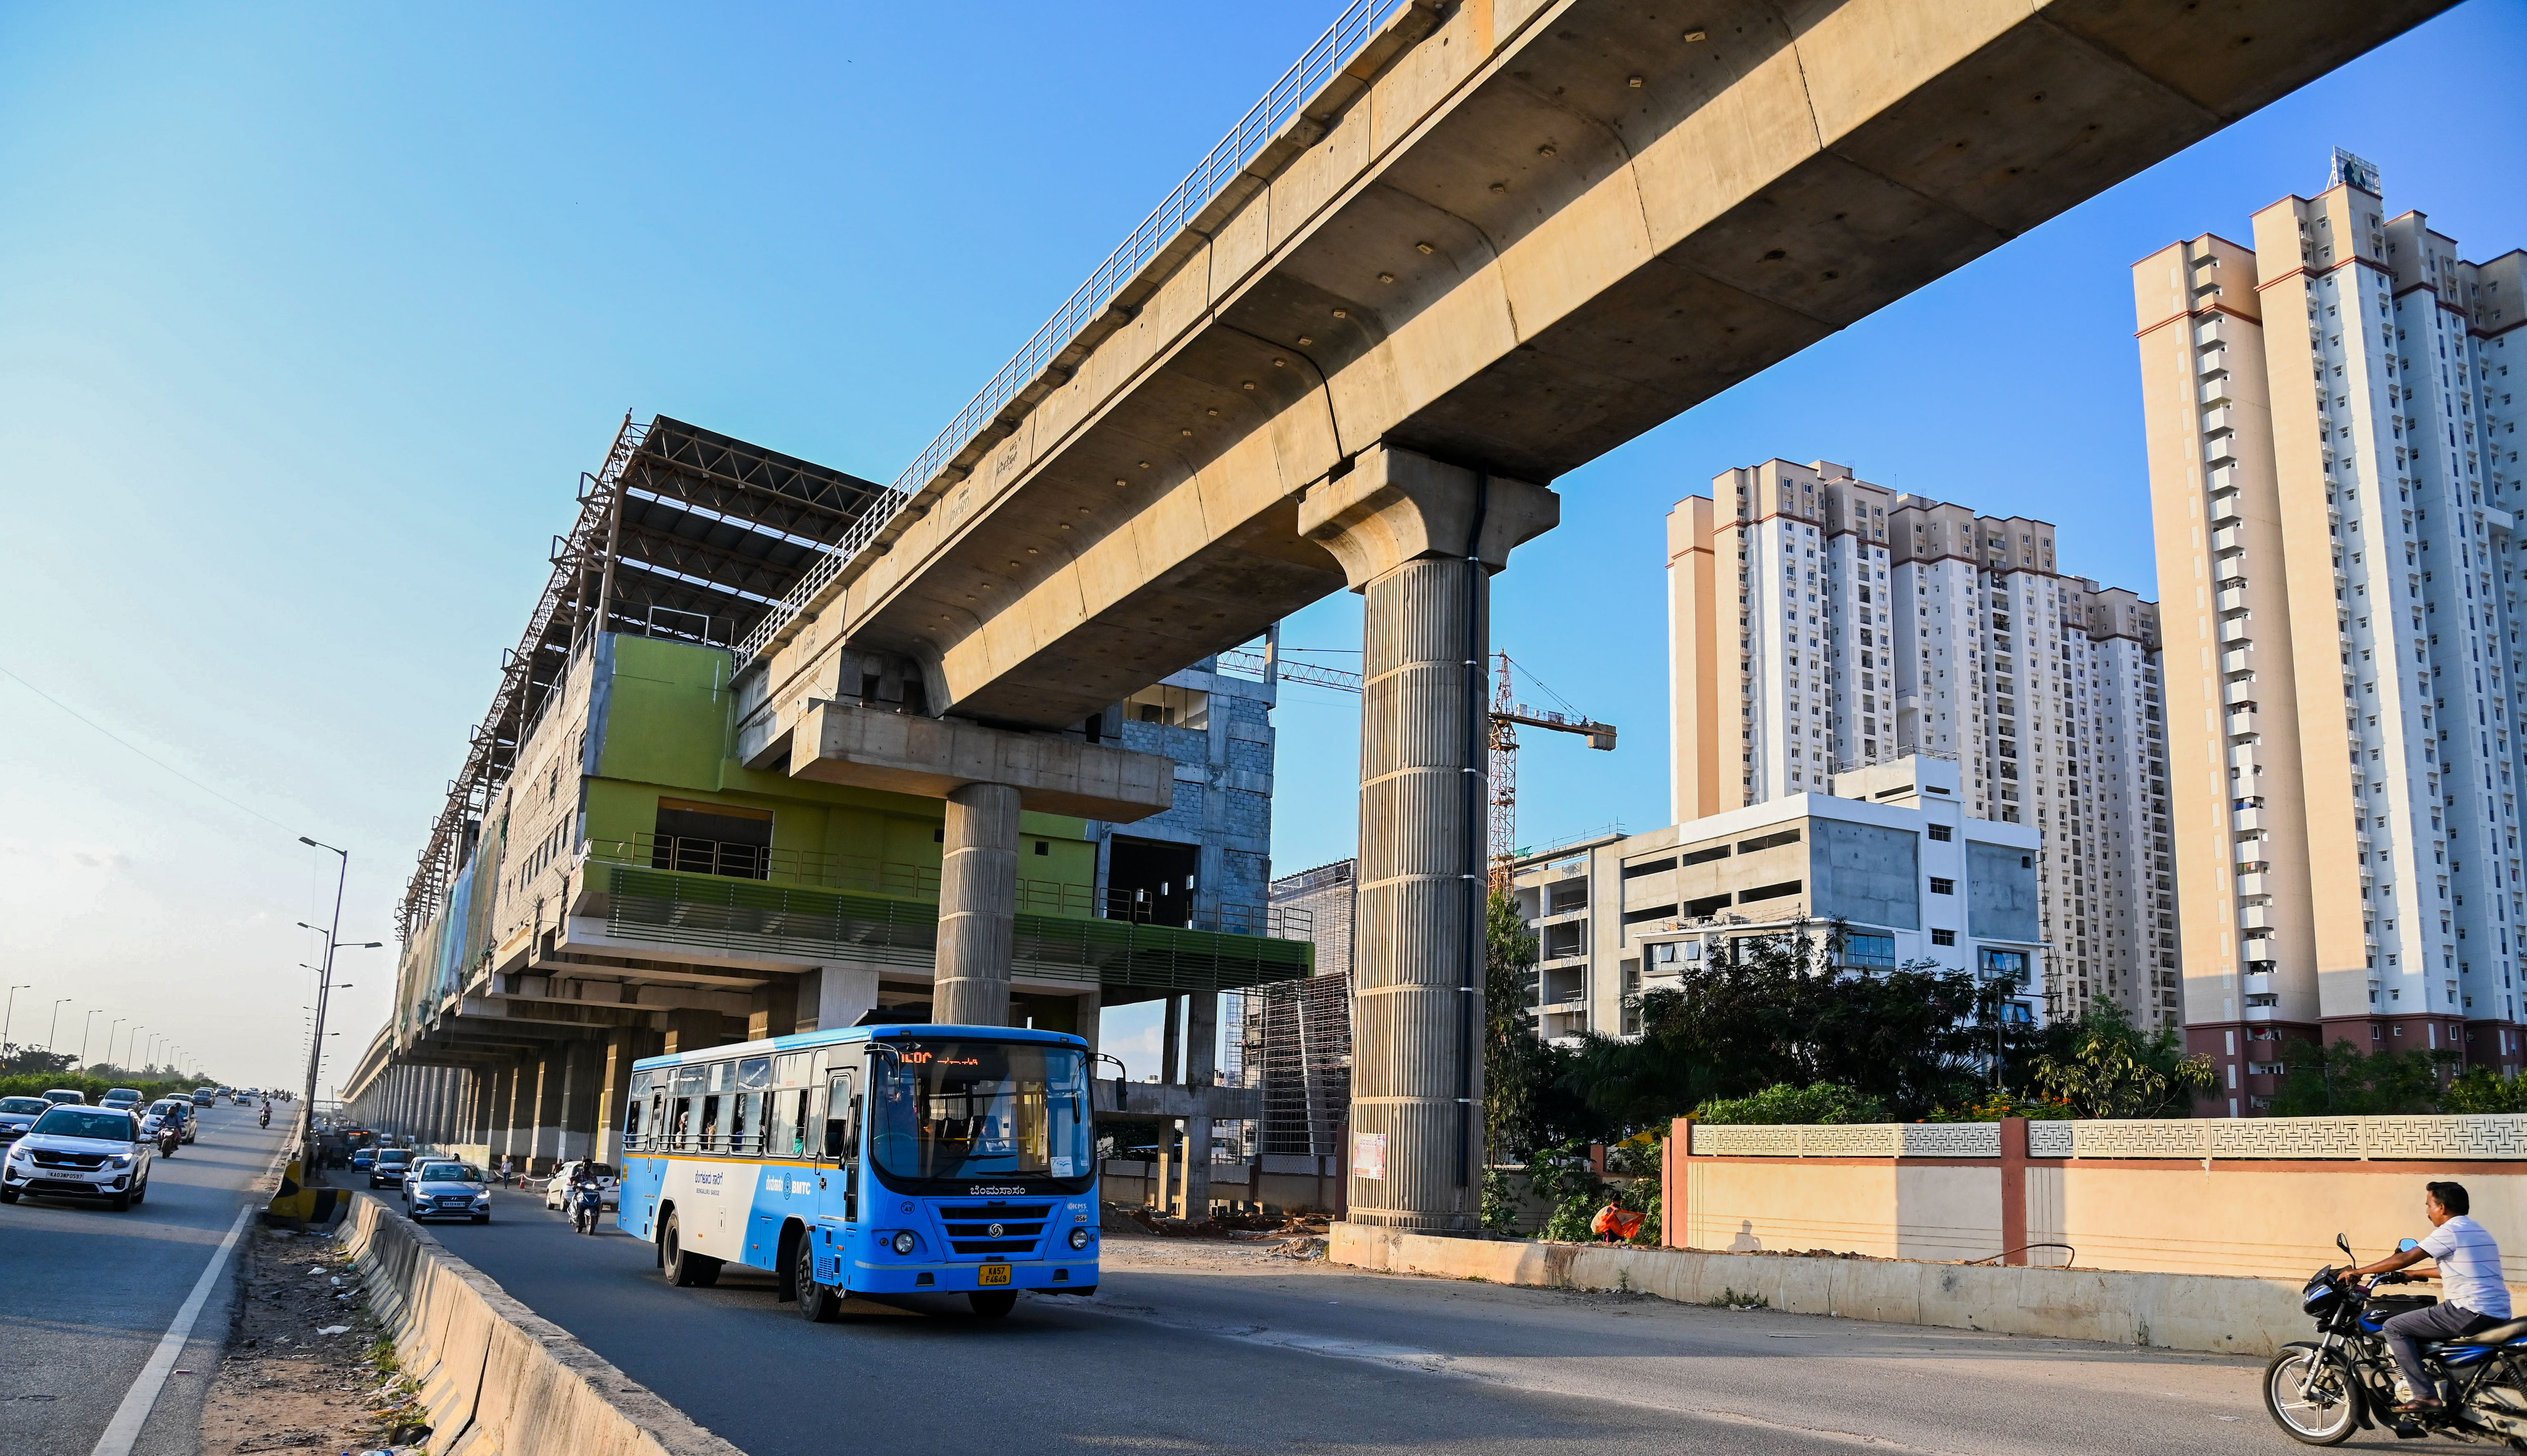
{"x": 756, "y": 917}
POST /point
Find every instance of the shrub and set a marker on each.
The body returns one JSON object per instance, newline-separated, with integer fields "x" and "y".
{"x": 1783, "y": 1102}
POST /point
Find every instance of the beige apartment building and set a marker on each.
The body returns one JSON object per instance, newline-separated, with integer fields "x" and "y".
{"x": 1819, "y": 623}
{"x": 2332, "y": 469}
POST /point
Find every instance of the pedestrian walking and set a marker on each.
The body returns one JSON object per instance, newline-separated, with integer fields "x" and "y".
{"x": 504, "y": 1170}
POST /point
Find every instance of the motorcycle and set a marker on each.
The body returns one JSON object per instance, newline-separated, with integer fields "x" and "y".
{"x": 265, "y": 1121}
{"x": 2319, "y": 1394}
{"x": 168, "y": 1140}
{"x": 585, "y": 1199}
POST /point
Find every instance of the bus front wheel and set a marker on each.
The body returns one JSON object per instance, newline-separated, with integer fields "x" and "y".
{"x": 991, "y": 1304}
{"x": 684, "y": 1270}
{"x": 818, "y": 1304}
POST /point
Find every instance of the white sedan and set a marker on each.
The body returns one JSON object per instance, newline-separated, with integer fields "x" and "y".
{"x": 557, "y": 1188}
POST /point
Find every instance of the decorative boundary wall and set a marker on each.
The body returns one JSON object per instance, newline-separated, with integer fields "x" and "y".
{"x": 2264, "y": 1197}
{"x": 2487, "y": 1136}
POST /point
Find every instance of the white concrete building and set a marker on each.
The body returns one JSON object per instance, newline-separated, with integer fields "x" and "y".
{"x": 1890, "y": 860}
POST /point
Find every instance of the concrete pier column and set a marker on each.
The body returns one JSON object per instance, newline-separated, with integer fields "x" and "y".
{"x": 584, "y": 1070}
{"x": 1200, "y": 1069}
{"x": 543, "y": 1091}
{"x": 978, "y": 901}
{"x": 1170, "y": 1053}
{"x": 614, "y": 1098}
{"x": 1420, "y": 540}
{"x": 505, "y": 1142}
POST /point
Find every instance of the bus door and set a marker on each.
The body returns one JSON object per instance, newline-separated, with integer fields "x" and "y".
{"x": 842, "y": 1141}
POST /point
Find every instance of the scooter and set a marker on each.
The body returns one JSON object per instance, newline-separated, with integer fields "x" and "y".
{"x": 585, "y": 1199}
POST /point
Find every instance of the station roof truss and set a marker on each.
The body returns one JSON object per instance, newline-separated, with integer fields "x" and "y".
{"x": 683, "y": 533}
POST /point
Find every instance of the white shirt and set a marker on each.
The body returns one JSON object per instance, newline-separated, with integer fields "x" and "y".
{"x": 2469, "y": 1266}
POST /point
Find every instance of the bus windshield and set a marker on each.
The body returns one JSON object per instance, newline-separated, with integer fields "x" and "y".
{"x": 968, "y": 1111}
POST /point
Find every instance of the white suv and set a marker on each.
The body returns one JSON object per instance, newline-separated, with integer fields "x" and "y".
{"x": 79, "y": 1152}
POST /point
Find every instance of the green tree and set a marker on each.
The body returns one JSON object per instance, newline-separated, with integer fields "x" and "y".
{"x": 2483, "y": 1090}
{"x": 2111, "y": 1069}
{"x": 1528, "y": 1101}
{"x": 2340, "y": 1080}
{"x": 1783, "y": 1010}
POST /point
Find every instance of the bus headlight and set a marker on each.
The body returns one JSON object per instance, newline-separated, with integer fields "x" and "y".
{"x": 1079, "y": 1237}
{"x": 903, "y": 1243}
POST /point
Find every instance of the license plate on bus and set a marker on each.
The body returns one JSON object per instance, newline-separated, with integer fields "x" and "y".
{"x": 996, "y": 1274}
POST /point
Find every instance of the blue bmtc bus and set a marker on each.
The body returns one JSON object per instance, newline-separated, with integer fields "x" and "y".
{"x": 870, "y": 1160}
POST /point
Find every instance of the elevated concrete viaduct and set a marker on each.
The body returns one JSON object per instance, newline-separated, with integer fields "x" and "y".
{"x": 1505, "y": 238}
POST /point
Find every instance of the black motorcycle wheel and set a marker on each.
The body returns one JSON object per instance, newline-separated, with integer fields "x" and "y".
{"x": 2313, "y": 1399}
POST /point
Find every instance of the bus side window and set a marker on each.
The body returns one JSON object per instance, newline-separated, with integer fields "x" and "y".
{"x": 746, "y": 1123}
{"x": 839, "y": 1143}
{"x": 781, "y": 1137}
{"x": 654, "y": 1137}
{"x": 632, "y": 1125}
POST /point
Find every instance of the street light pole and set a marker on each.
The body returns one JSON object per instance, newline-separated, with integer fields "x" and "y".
{"x": 11, "y": 1012}
{"x": 324, "y": 988}
{"x": 87, "y": 1028}
{"x": 112, "y": 1028}
{"x": 54, "y": 1032}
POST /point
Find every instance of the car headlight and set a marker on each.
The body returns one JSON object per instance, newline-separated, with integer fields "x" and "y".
{"x": 484, "y": 1197}
{"x": 904, "y": 1242}
{"x": 1079, "y": 1237}
{"x": 118, "y": 1160}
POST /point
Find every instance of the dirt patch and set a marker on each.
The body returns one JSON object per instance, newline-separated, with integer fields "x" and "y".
{"x": 286, "y": 1385}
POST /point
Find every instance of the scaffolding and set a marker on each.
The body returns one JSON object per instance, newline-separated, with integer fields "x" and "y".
{"x": 1292, "y": 1040}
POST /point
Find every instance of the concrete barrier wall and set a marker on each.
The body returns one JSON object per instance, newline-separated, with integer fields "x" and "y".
{"x": 497, "y": 1379}
{"x": 2177, "y": 1312}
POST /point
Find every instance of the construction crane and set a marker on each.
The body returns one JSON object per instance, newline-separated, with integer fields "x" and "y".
{"x": 1508, "y": 714}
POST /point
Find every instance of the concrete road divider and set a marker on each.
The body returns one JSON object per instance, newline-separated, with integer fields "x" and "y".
{"x": 2175, "y": 1311}
{"x": 497, "y": 1379}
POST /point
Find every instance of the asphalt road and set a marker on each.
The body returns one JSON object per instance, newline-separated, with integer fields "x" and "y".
{"x": 86, "y": 1293}
{"x": 1268, "y": 1356}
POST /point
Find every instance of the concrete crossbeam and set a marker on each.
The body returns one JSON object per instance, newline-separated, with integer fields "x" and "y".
{"x": 843, "y": 742}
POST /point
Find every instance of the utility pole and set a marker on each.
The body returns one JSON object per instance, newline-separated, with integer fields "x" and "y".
{"x": 324, "y": 988}
{"x": 10, "y": 1013}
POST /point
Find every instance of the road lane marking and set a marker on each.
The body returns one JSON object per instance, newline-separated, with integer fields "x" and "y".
{"x": 124, "y": 1429}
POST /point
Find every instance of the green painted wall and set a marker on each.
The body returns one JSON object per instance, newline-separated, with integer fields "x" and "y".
{"x": 668, "y": 730}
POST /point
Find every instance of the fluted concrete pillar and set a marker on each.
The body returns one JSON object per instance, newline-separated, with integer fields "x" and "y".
{"x": 978, "y": 901}
{"x": 1420, "y": 540}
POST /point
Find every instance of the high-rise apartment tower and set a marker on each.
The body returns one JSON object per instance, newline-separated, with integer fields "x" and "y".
{"x": 2334, "y": 466}
{"x": 1819, "y": 622}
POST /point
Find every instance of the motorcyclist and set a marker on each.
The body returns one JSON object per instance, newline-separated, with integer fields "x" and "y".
{"x": 2473, "y": 1296}
{"x": 170, "y": 1137}
{"x": 586, "y": 1194}
{"x": 266, "y": 1119}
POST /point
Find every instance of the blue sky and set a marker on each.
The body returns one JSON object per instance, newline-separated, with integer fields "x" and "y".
{"x": 310, "y": 318}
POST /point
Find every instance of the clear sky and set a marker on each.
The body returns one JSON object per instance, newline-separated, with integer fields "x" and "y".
{"x": 311, "y": 317}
